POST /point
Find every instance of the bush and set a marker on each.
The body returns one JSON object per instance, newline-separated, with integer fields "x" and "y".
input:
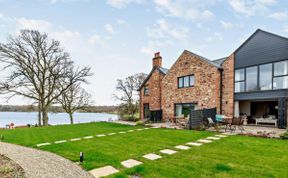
{"x": 140, "y": 123}
{"x": 284, "y": 135}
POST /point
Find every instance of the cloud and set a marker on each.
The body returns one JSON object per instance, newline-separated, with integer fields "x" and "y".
{"x": 162, "y": 29}
{"x": 109, "y": 28}
{"x": 250, "y": 7}
{"x": 227, "y": 25}
{"x": 279, "y": 16}
{"x": 215, "y": 37}
{"x": 190, "y": 10}
{"x": 285, "y": 29}
{"x": 41, "y": 25}
{"x": 162, "y": 35}
{"x": 122, "y": 3}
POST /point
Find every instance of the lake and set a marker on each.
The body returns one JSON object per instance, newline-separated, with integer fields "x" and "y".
{"x": 24, "y": 118}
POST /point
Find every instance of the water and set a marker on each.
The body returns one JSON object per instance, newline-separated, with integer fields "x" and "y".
{"x": 24, "y": 118}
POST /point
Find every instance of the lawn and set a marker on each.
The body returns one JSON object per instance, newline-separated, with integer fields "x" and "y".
{"x": 235, "y": 156}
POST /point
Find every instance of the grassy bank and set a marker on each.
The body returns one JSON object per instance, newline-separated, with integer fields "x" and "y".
{"x": 235, "y": 156}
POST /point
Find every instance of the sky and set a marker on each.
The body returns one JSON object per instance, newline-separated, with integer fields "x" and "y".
{"x": 118, "y": 38}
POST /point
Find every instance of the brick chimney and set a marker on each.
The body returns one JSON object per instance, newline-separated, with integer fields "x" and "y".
{"x": 157, "y": 60}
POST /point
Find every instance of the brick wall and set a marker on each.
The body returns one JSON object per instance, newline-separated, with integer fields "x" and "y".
{"x": 206, "y": 91}
{"x": 154, "y": 96}
{"x": 228, "y": 87}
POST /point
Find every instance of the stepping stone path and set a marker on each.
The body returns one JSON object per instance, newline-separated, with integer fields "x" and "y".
{"x": 122, "y": 132}
{"x": 103, "y": 171}
{"x": 152, "y": 156}
{"x": 139, "y": 129}
{"x": 213, "y": 138}
{"x": 204, "y": 141}
{"x": 111, "y": 133}
{"x": 182, "y": 147}
{"x": 130, "y": 163}
{"x": 75, "y": 139}
{"x": 101, "y": 135}
{"x": 146, "y": 128}
{"x": 43, "y": 144}
{"x": 60, "y": 141}
{"x": 194, "y": 144}
{"x": 222, "y": 136}
{"x": 168, "y": 151}
{"x": 130, "y": 130}
{"x": 88, "y": 137}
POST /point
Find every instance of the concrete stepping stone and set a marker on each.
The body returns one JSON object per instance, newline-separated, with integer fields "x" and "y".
{"x": 139, "y": 129}
{"x": 75, "y": 139}
{"x": 88, "y": 137}
{"x": 194, "y": 144}
{"x": 222, "y": 136}
{"x": 122, "y": 132}
{"x": 60, "y": 141}
{"x": 100, "y": 135}
{"x": 204, "y": 141}
{"x": 103, "y": 171}
{"x": 168, "y": 151}
{"x": 182, "y": 147}
{"x": 146, "y": 128}
{"x": 130, "y": 130}
{"x": 43, "y": 144}
{"x": 111, "y": 133}
{"x": 152, "y": 156}
{"x": 130, "y": 163}
{"x": 213, "y": 138}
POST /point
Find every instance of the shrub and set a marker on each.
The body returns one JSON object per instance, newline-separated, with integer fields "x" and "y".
{"x": 284, "y": 135}
{"x": 140, "y": 123}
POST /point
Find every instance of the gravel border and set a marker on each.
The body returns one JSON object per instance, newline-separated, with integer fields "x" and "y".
{"x": 42, "y": 164}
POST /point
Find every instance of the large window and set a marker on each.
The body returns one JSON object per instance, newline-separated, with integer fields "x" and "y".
{"x": 239, "y": 80}
{"x": 265, "y": 77}
{"x": 186, "y": 81}
{"x": 271, "y": 76}
{"x": 184, "y": 109}
{"x": 280, "y": 75}
{"x": 251, "y": 78}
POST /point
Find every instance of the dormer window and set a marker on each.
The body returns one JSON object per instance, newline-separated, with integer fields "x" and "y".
{"x": 146, "y": 90}
{"x": 186, "y": 81}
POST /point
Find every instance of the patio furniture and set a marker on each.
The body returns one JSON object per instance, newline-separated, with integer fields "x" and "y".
{"x": 268, "y": 120}
{"x": 211, "y": 123}
{"x": 219, "y": 118}
{"x": 237, "y": 122}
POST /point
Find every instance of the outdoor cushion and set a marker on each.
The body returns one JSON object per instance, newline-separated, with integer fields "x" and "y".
{"x": 219, "y": 118}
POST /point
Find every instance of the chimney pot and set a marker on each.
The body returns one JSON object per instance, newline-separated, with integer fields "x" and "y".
{"x": 157, "y": 60}
{"x": 157, "y": 54}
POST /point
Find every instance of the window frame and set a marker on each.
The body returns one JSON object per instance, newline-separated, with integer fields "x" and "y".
{"x": 240, "y": 81}
{"x": 258, "y": 77}
{"x": 189, "y": 81}
{"x": 146, "y": 91}
{"x": 191, "y": 104}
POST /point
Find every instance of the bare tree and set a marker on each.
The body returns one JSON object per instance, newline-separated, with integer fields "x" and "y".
{"x": 39, "y": 69}
{"x": 74, "y": 99}
{"x": 128, "y": 93}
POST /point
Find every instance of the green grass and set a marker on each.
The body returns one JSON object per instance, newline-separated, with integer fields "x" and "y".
{"x": 235, "y": 156}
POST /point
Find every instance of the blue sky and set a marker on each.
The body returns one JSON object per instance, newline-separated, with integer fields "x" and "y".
{"x": 118, "y": 38}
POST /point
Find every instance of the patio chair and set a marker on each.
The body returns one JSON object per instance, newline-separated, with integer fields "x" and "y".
{"x": 237, "y": 122}
{"x": 210, "y": 122}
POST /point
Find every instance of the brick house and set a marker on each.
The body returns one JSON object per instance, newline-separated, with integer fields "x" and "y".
{"x": 253, "y": 80}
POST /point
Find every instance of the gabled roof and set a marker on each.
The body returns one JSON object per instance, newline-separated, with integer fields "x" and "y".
{"x": 216, "y": 64}
{"x": 255, "y": 33}
{"x": 220, "y": 61}
{"x": 162, "y": 70}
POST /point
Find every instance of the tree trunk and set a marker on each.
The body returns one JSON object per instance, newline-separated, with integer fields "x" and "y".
{"x": 39, "y": 115}
{"x": 71, "y": 118}
{"x": 45, "y": 116}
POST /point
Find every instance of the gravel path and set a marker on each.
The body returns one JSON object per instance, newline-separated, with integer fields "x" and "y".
{"x": 41, "y": 164}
